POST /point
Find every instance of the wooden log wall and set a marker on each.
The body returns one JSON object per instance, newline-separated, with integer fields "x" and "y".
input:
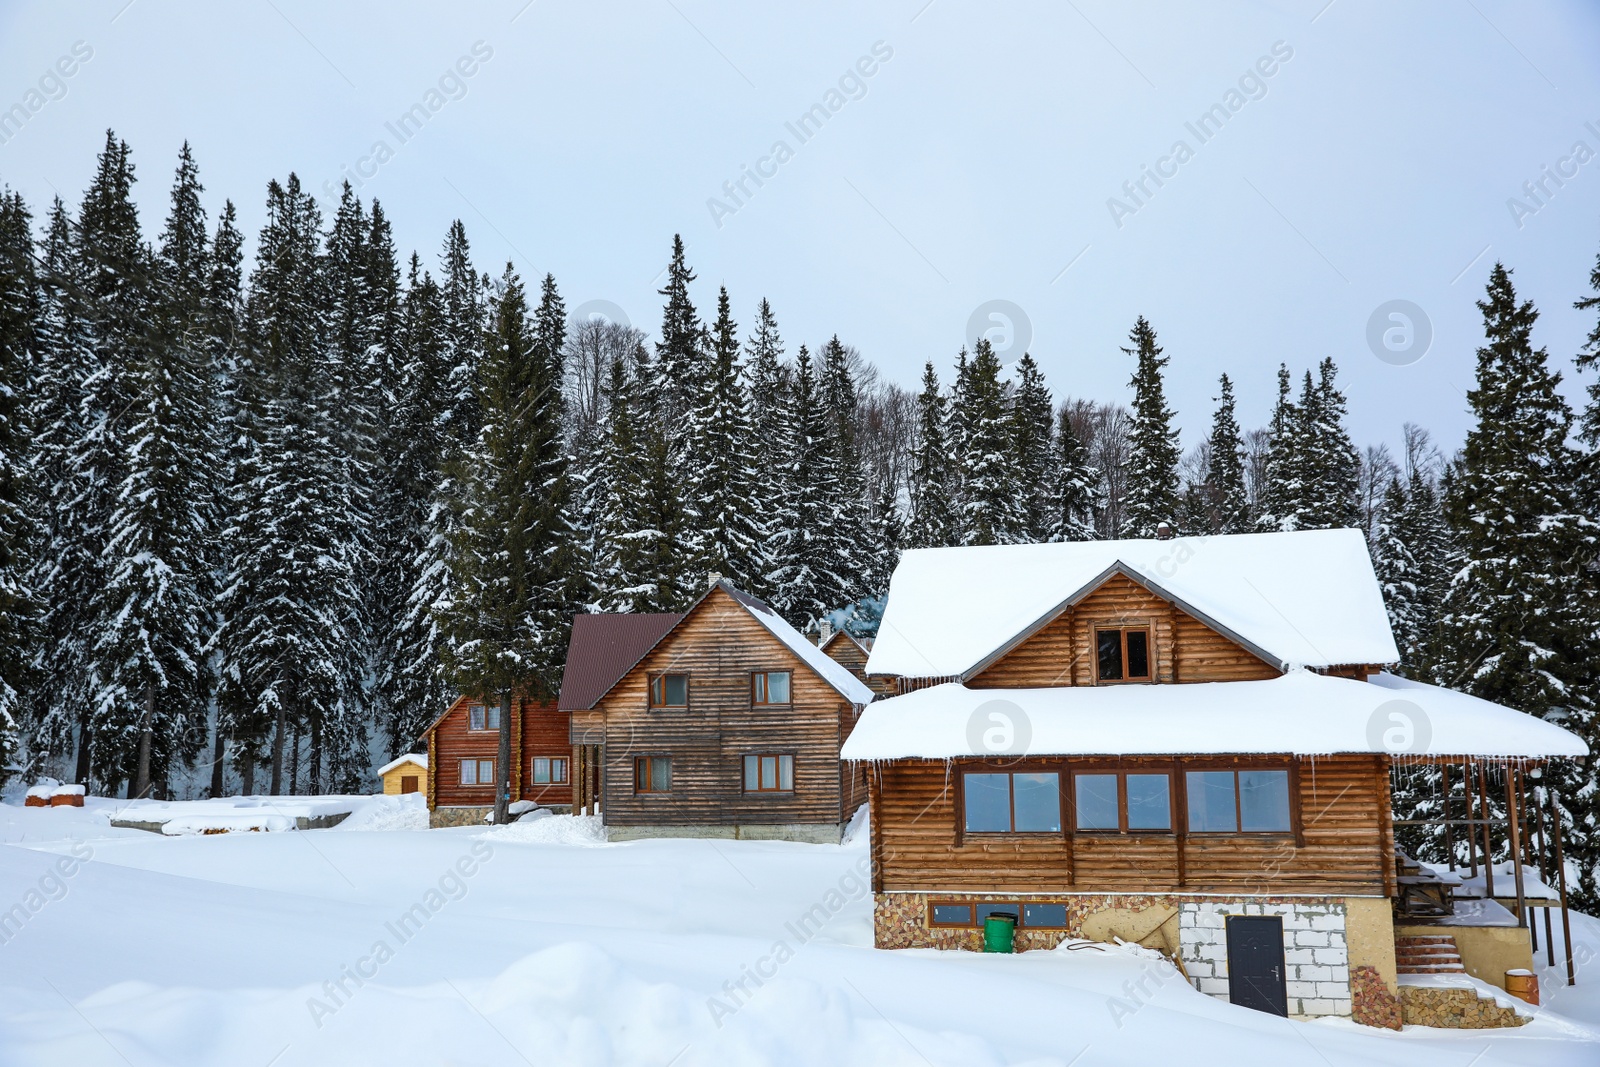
{"x": 718, "y": 646}
{"x": 1343, "y": 844}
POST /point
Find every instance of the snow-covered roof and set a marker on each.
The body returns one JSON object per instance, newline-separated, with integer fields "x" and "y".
{"x": 409, "y": 757}
{"x": 1307, "y": 598}
{"x": 1300, "y": 713}
{"x": 830, "y": 670}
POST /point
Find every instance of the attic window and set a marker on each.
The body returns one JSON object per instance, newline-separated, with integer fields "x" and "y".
{"x": 669, "y": 691}
{"x": 480, "y": 717}
{"x": 769, "y": 687}
{"x": 1123, "y": 654}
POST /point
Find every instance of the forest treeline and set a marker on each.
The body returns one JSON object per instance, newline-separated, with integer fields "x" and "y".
{"x": 263, "y": 519}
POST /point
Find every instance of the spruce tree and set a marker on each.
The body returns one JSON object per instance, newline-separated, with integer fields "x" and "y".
{"x": 1273, "y": 504}
{"x": 1517, "y": 616}
{"x": 991, "y": 512}
{"x": 64, "y": 573}
{"x": 506, "y": 583}
{"x": 1152, "y": 493}
{"x": 1227, "y": 506}
{"x": 723, "y": 467}
{"x": 1075, "y": 495}
{"x": 932, "y": 523}
{"x": 802, "y": 591}
{"x": 844, "y": 537}
{"x": 1032, "y": 419}
{"x": 20, "y": 311}
{"x": 153, "y": 609}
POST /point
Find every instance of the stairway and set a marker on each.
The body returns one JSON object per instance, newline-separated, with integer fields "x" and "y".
{"x": 1432, "y": 954}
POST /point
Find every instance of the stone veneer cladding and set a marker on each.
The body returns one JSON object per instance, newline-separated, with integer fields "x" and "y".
{"x": 1316, "y": 955}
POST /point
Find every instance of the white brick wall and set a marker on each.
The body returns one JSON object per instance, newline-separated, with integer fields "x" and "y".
{"x": 1316, "y": 956}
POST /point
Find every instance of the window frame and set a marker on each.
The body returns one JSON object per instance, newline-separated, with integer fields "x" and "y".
{"x": 765, "y": 688}
{"x": 1289, "y": 766}
{"x": 479, "y": 783}
{"x": 975, "y": 923}
{"x": 648, "y": 788}
{"x": 1010, "y": 769}
{"x": 488, "y": 709}
{"x": 566, "y": 770}
{"x": 1123, "y": 629}
{"x": 1122, "y": 770}
{"x": 661, "y": 676}
{"x": 758, "y": 792}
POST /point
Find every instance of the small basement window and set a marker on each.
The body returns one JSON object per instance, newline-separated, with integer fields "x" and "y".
{"x": 769, "y": 774}
{"x": 1123, "y": 654}
{"x": 1238, "y": 802}
{"x": 477, "y": 772}
{"x": 549, "y": 770}
{"x": 1041, "y": 916}
{"x": 652, "y": 774}
{"x": 769, "y": 687}
{"x": 669, "y": 691}
{"x": 481, "y": 717}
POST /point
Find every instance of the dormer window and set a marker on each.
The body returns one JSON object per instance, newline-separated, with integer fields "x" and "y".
{"x": 1123, "y": 653}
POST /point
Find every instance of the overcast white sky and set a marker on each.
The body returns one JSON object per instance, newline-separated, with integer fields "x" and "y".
{"x": 974, "y": 164}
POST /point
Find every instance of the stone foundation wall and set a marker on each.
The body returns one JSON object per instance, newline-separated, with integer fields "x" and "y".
{"x": 1371, "y": 1002}
{"x": 1316, "y": 954}
{"x": 459, "y": 816}
{"x": 808, "y": 833}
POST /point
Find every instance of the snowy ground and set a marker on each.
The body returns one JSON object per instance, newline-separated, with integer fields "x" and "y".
{"x": 535, "y": 944}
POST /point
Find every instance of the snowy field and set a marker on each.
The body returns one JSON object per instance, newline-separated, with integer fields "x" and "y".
{"x": 535, "y": 944}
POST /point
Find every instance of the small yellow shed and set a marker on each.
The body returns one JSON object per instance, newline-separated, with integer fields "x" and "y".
{"x": 408, "y": 774}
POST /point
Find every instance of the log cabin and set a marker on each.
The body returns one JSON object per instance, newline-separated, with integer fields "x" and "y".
{"x": 1184, "y": 743}
{"x": 727, "y": 724}
{"x": 464, "y": 746}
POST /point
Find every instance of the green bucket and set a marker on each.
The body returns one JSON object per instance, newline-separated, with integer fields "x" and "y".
{"x": 999, "y": 931}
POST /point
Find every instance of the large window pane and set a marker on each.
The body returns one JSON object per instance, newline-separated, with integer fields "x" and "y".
{"x": 1038, "y": 802}
{"x": 1149, "y": 806}
{"x": 778, "y": 687}
{"x": 786, "y": 772}
{"x": 1264, "y": 800}
{"x": 1210, "y": 796}
{"x": 677, "y": 690}
{"x": 752, "y": 773}
{"x": 988, "y": 802}
{"x": 1109, "y": 643}
{"x": 469, "y": 772}
{"x": 1096, "y": 797}
{"x": 1138, "y": 654}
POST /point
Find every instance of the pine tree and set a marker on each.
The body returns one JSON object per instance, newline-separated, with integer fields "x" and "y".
{"x": 991, "y": 513}
{"x": 1517, "y": 614}
{"x": 1032, "y": 418}
{"x": 20, "y": 311}
{"x": 680, "y": 355}
{"x": 152, "y": 611}
{"x": 1227, "y": 506}
{"x": 1075, "y": 495}
{"x": 933, "y": 521}
{"x": 1395, "y": 562}
{"x": 1152, "y": 495}
{"x": 888, "y": 538}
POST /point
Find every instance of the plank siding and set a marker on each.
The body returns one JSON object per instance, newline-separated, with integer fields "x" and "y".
{"x": 718, "y": 646}
{"x": 538, "y": 728}
{"x": 1184, "y": 649}
{"x": 844, "y": 651}
{"x": 1344, "y": 840}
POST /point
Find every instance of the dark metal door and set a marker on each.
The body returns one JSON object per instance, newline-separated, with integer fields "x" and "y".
{"x": 1255, "y": 963}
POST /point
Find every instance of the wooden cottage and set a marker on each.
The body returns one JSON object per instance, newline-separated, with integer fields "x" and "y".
{"x": 726, "y": 724}
{"x": 464, "y": 747}
{"x": 1186, "y": 743}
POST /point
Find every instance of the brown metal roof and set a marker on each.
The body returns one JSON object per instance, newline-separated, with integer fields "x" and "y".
{"x": 603, "y": 649}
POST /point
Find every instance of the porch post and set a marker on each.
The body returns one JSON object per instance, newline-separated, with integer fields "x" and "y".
{"x": 1514, "y": 833}
{"x": 1561, "y": 876}
{"x": 1488, "y": 840}
{"x": 1542, "y": 852}
{"x": 1449, "y": 836}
